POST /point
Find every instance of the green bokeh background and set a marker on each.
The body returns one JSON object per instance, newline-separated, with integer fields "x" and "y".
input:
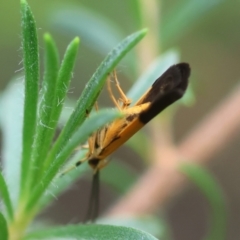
{"x": 212, "y": 47}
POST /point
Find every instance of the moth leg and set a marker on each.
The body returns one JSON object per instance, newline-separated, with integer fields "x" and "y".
{"x": 91, "y": 141}
{"x": 96, "y": 106}
{"x": 111, "y": 94}
{"x": 74, "y": 166}
{"x": 123, "y": 98}
{"x": 90, "y": 147}
{"x": 84, "y": 146}
{"x": 90, "y": 150}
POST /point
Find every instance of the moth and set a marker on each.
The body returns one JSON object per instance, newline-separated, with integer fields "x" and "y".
{"x": 167, "y": 89}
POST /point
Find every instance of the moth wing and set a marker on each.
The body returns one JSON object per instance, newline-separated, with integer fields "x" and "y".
{"x": 168, "y": 88}
{"x": 122, "y": 129}
{"x": 174, "y": 78}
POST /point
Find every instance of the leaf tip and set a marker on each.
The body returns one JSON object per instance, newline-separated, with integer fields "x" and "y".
{"x": 144, "y": 31}
{"x": 76, "y": 40}
{"x": 47, "y": 36}
{"x": 23, "y": 2}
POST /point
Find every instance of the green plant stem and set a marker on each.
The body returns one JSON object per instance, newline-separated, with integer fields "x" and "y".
{"x": 18, "y": 227}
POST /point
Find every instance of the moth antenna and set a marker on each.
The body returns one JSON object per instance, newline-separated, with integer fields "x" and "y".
{"x": 93, "y": 207}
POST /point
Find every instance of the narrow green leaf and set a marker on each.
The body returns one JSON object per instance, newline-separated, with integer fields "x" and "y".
{"x": 31, "y": 69}
{"x": 99, "y": 232}
{"x": 210, "y": 188}
{"x": 55, "y": 87}
{"x": 64, "y": 77}
{"x": 5, "y": 197}
{"x": 154, "y": 225}
{"x": 96, "y": 121}
{"x": 3, "y": 228}
{"x": 182, "y": 17}
{"x": 155, "y": 70}
{"x": 44, "y": 124}
{"x": 92, "y": 90}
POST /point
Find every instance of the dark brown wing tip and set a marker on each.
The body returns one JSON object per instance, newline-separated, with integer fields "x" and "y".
{"x": 185, "y": 70}
{"x": 179, "y": 74}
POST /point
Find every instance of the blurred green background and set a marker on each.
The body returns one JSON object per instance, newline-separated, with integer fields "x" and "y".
{"x": 209, "y": 42}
